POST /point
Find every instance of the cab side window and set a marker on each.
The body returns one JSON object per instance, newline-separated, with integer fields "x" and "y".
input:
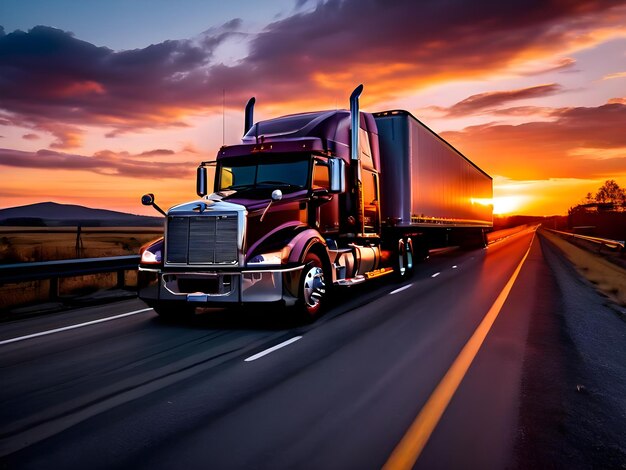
{"x": 370, "y": 200}
{"x": 320, "y": 176}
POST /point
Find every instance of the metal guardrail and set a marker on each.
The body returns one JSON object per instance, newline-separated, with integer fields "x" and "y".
{"x": 84, "y": 230}
{"x": 613, "y": 244}
{"x": 54, "y": 270}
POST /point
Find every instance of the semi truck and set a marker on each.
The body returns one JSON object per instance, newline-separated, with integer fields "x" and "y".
{"x": 311, "y": 203}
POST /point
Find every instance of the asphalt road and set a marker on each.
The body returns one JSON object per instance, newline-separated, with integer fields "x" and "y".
{"x": 452, "y": 369}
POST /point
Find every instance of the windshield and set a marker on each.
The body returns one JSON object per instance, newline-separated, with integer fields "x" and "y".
{"x": 287, "y": 174}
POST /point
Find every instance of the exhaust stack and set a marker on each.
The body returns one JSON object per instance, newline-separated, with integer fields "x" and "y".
{"x": 249, "y": 117}
{"x": 355, "y": 121}
{"x": 355, "y": 157}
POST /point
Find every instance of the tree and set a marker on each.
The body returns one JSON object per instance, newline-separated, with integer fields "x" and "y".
{"x": 610, "y": 192}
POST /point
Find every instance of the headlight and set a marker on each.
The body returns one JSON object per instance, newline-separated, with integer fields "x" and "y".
{"x": 152, "y": 253}
{"x": 274, "y": 257}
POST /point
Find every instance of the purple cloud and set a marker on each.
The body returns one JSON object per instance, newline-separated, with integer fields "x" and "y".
{"x": 103, "y": 163}
{"x": 494, "y": 99}
{"x": 54, "y": 82}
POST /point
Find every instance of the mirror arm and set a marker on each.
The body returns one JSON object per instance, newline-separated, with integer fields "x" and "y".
{"x": 148, "y": 200}
{"x": 266, "y": 209}
{"x": 277, "y": 195}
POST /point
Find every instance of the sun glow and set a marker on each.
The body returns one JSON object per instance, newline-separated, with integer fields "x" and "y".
{"x": 507, "y": 204}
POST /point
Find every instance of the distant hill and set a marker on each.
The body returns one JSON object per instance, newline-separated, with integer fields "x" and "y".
{"x": 52, "y": 214}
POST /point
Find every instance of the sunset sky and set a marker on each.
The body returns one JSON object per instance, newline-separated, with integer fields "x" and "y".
{"x": 101, "y": 102}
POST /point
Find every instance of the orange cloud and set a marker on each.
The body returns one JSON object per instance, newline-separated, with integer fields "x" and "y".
{"x": 79, "y": 88}
{"x": 614, "y": 75}
{"x": 104, "y": 162}
{"x": 494, "y": 99}
{"x": 315, "y": 56}
{"x": 541, "y": 150}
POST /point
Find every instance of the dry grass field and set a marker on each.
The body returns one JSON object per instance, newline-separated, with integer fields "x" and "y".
{"x": 24, "y": 245}
{"x": 606, "y": 276}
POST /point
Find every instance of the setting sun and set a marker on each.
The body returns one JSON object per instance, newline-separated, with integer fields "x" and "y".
{"x": 507, "y": 204}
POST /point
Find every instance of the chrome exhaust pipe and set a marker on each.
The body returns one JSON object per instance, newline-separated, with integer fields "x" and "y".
{"x": 249, "y": 116}
{"x": 355, "y": 121}
{"x": 355, "y": 157}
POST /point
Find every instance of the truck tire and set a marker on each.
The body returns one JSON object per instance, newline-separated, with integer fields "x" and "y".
{"x": 312, "y": 291}
{"x": 404, "y": 261}
{"x": 173, "y": 311}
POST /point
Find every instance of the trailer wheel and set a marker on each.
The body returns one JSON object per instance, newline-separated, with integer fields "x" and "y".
{"x": 404, "y": 259}
{"x": 313, "y": 290}
{"x": 410, "y": 257}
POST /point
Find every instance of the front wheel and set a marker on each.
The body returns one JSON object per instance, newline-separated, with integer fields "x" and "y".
{"x": 313, "y": 291}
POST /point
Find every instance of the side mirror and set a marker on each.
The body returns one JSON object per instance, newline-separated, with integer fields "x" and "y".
{"x": 337, "y": 175}
{"x": 148, "y": 200}
{"x": 201, "y": 181}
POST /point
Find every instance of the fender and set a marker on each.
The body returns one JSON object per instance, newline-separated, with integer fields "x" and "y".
{"x": 276, "y": 239}
{"x": 302, "y": 243}
{"x": 299, "y": 246}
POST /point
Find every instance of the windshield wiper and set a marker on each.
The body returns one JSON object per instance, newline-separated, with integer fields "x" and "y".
{"x": 236, "y": 187}
{"x": 280, "y": 183}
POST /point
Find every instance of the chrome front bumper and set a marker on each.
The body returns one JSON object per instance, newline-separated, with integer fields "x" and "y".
{"x": 218, "y": 288}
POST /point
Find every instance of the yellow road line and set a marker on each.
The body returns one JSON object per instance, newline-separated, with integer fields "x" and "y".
{"x": 410, "y": 447}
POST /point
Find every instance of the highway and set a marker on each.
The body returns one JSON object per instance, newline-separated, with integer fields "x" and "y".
{"x": 481, "y": 360}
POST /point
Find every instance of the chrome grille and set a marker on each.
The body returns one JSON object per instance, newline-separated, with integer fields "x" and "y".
{"x": 203, "y": 239}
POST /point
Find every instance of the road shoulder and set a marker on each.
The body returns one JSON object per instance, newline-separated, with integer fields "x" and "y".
{"x": 573, "y": 409}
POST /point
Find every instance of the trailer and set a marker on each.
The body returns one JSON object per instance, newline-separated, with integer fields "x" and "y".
{"x": 429, "y": 184}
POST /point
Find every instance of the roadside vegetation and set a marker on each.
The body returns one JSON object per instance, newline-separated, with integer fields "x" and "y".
{"x": 25, "y": 245}
{"x": 608, "y": 277}
{"x": 602, "y": 214}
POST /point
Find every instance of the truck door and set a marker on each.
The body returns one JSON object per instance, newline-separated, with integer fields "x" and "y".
{"x": 326, "y": 212}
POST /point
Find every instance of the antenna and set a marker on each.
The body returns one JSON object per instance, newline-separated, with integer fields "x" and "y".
{"x": 223, "y": 116}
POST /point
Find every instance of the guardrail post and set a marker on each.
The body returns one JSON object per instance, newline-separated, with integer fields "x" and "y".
{"x": 79, "y": 243}
{"x": 120, "y": 279}
{"x": 54, "y": 288}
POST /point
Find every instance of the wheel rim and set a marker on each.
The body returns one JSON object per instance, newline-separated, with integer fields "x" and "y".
{"x": 314, "y": 286}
